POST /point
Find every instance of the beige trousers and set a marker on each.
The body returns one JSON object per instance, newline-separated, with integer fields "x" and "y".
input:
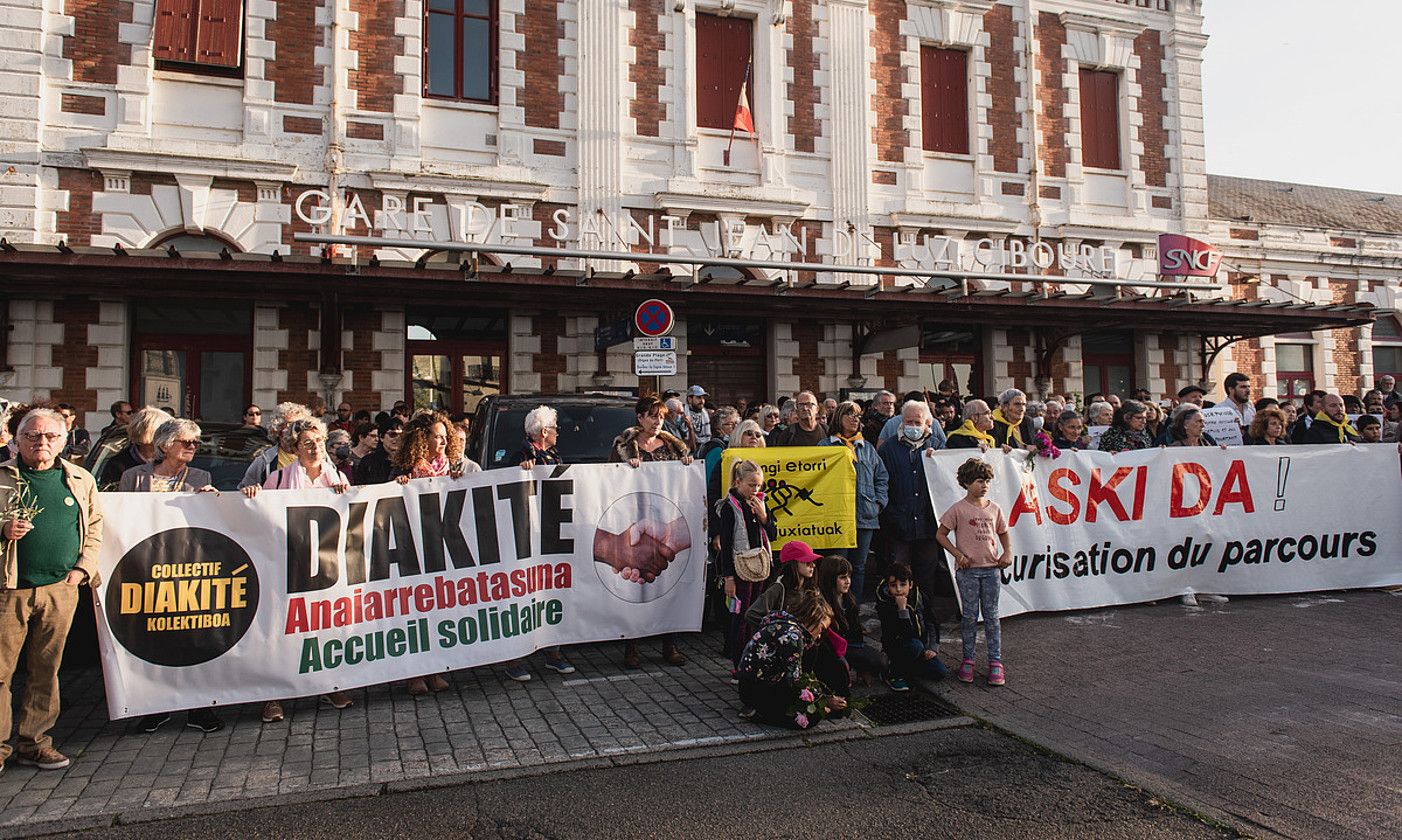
{"x": 37, "y": 621}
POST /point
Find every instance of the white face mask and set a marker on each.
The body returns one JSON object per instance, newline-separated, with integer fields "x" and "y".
{"x": 1037, "y": 422}
{"x": 913, "y": 432}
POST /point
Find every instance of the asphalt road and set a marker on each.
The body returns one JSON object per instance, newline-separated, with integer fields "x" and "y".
{"x": 967, "y": 783}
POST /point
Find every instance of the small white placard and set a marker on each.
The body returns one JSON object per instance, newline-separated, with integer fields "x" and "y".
{"x": 655, "y": 363}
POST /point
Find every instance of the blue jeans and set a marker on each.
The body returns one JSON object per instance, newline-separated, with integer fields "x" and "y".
{"x": 978, "y": 593}
{"x": 858, "y": 558}
{"x": 907, "y": 660}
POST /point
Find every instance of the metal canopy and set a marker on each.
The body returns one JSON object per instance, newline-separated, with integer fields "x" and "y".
{"x": 47, "y": 271}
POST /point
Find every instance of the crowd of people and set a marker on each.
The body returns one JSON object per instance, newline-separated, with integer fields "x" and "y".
{"x": 792, "y": 620}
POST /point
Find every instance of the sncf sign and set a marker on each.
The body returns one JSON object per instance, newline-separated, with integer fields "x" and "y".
{"x": 1180, "y": 256}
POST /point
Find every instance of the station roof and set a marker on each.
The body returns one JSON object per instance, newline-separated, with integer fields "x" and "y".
{"x": 47, "y": 271}
{"x": 1246, "y": 200}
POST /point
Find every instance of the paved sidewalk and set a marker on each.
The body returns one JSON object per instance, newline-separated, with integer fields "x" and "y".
{"x": 1283, "y": 713}
{"x": 485, "y": 722}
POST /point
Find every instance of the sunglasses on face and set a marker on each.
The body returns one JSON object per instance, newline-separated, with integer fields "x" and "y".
{"x": 253, "y": 414}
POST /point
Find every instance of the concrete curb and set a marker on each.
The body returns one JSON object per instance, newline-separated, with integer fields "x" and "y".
{"x": 779, "y": 740}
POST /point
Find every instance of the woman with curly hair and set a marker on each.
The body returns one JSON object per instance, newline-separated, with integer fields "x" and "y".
{"x": 429, "y": 449}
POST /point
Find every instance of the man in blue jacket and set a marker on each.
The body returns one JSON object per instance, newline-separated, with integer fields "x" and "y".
{"x": 909, "y": 522}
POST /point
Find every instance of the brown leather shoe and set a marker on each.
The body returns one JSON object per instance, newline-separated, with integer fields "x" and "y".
{"x": 337, "y": 700}
{"x": 672, "y": 656}
{"x": 417, "y": 687}
{"x": 437, "y": 683}
{"x": 272, "y": 711}
{"x": 631, "y": 657}
{"x": 46, "y": 758}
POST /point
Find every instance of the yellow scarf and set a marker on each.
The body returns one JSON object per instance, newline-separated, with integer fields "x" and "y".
{"x": 1344, "y": 428}
{"x": 1013, "y": 432}
{"x": 851, "y": 443}
{"x": 969, "y": 430}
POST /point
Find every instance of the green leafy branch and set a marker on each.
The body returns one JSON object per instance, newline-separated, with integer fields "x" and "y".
{"x": 23, "y": 505}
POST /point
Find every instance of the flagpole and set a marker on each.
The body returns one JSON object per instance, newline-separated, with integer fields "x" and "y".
{"x": 744, "y": 93}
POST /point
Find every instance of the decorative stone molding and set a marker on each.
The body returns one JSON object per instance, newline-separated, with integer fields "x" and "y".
{"x": 948, "y": 23}
{"x": 1099, "y": 43}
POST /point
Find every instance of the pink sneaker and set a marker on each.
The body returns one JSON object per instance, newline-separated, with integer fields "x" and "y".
{"x": 966, "y": 671}
{"x": 995, "y": 673}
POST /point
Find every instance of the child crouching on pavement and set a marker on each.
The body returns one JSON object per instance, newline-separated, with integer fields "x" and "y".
{"x": 907, "y": 630}
{"x": 981, "y": 547}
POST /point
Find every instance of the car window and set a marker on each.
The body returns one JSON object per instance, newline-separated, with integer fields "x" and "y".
{"x": 586, "y": 432}
{"x": 224, "y": 454}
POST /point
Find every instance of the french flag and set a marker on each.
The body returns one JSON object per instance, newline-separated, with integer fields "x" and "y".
{"x": 744, "y": 120}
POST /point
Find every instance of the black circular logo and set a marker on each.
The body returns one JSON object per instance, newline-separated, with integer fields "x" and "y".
{"x": 182, "y": 597}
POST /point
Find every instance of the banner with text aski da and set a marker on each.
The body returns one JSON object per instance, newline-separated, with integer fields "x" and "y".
{"x": 221, "y": 599}
{"x": 1090, "y": 529}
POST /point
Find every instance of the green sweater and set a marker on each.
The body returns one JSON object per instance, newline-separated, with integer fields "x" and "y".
{"x": 50, "y": 550}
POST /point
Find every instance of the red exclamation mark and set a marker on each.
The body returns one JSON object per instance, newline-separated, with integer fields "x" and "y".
{"x": 1282, "y": 473}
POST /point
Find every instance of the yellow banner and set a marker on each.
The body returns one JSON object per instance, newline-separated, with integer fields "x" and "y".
{"x": 810, "y": 491}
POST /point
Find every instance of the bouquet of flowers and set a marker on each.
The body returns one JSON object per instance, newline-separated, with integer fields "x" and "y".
{"x": 811, "y": 707}
{"x": 812, "y": 703}
{"x": 1044, "y": 449}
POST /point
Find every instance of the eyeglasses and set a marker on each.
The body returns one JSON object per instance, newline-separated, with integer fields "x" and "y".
{"x": 394, "y": 433}
{"x": 190, "y": 443}
{"x": 35, "y": 437}
{"x": 310, "y": 443}
{"x": 253, "y": 414}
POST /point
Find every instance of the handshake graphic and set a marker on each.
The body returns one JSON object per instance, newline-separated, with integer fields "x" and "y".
{"x": 644, "y": 549}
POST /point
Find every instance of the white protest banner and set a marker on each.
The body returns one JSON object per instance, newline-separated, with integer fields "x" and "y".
{"x": 1091, "y": 529}
{"x": 1223, "y": 423}
{"x": 225, "y": 599}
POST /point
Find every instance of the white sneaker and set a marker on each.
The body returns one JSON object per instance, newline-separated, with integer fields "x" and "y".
{"x": 1213, "y": 599}
{"x": 1189, "y": 600}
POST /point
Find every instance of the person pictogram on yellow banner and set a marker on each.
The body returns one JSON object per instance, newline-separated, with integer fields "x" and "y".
{"x": 811, "y": 491}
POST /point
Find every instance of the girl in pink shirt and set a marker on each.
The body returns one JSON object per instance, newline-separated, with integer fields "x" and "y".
{"x": 981, "y": 548}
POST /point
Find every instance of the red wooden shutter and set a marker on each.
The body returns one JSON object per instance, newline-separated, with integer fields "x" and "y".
{"x": 1100, "y": 119}
{"x": 174, "y": 36}
{"x": 944, "y": 95}
{"x": 219, "y": 39}
{"x": 722, "y": 56}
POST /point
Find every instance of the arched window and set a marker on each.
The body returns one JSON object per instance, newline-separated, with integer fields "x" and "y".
{"x": 196, "y": 243}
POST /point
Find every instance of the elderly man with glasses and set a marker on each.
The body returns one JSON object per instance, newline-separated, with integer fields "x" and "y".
{"x": 51, "y": 535}
{"x": 805, "y": 430}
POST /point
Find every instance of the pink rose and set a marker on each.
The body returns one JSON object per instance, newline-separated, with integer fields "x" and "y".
{"x": 806, "y": 696}
{"x": 801, "y": 720}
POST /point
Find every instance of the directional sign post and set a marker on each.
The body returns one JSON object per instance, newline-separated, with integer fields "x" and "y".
{"x": 655, "y": 363}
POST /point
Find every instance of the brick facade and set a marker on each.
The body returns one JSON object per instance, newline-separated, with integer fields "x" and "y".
{"x": 804, "y": 126}
{"x": 300, "y": 358}
{"x": 809, "y": 366}
{"x": 1152, "y": 106}
{"x": 373, "y": 78}
{"x": 647, "y": 109}
{"x": 888, "y": 102}
{"x": 542, "y": 29}
{"x": 1003, "y": 88}
{"x": 1052, "y": 120}
{"x": 359, "y": 357}
{"x": 77, "y": 224}
{"x": 77, "y": 355}
{"x": 295, "y": 74}
{"x": 93, "y": 47}
{"x": 550, "y": 363}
